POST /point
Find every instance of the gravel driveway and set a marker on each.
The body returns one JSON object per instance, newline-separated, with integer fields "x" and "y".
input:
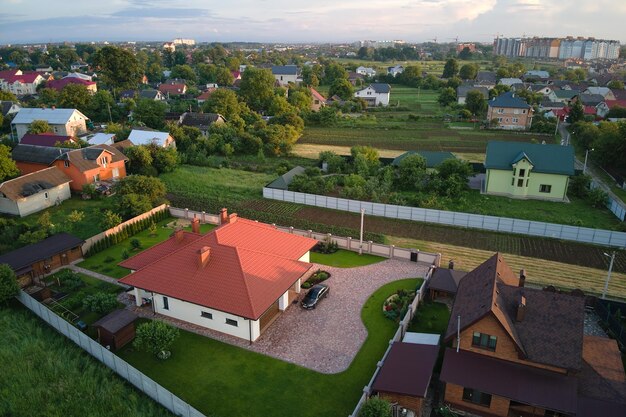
{"x": 328, "y": 338}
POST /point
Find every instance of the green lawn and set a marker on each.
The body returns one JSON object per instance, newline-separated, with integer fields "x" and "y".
{"x": 430, "y": 318}
{"x": 74, "y": 300}
{"x": 105, "y": 262}
{"x": 345, "y": 259}
{"x": 45, "y": 374}
{"x": 222, "y": 380}
{"x": 84, "y": 229}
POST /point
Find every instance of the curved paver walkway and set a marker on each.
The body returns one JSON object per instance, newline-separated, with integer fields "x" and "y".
{"x": 327, "y": 338}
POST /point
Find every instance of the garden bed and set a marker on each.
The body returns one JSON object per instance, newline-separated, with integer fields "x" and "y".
{"x": 317, "y": 277}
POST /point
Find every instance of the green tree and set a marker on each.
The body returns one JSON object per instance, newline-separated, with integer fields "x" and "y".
{"x": 185, "y": 72}
{"x": 257, "y": 88}
{"x": 577, "y": 112}
{"x": 9, "y": 287}
{"x": 151, "y": 113}
{"x": 100, "y": 303}
{"x": 8, "y": 168}
{"x": 131, "y": 205}
{"x": 39, "y": 126}
{"x": 223, "y": 76}
{"x": 475, "y": 102}
{"x": 165, "y": 159}
{"x": 468, "y": 71}
{"x": 225, "y": 102}
{"x": 75, "y": 217}
{"x": 155, "y": 337}
{"x": 333, "y": 72}
{"x": 150, "y": 187}
{"x": 465, "y": 54}
{"x": 447, "y": 97}
{"x": 118, "y": 68}
{"x": 597, "y": 197}
{"x": 140, "y": 161}
{"x": 300, "y": 98}
{"x": 412, "y": 172}
{"x": 616, "y": 84}
{"x": 110, "y": 219}
{"x": 451, "y": 68}
{"x": 342, "y": 88}
{"x": 75, "y": 96}
{"x": 375, "y": 407}
{"x": 48, "y": 97}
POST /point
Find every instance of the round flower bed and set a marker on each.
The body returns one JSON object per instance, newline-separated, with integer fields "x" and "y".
{"x": 396, "y": 306}
{"x": 317, "y": 277}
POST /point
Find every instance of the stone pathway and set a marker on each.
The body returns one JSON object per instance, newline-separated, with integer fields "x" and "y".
{"x": 96, "y": 275}
{"x": 592, "y": 325}
{"x": 327, "y": 338}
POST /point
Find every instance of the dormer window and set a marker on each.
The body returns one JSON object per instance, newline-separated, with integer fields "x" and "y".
{"x": 103, "y": 161}
{"x": 66, "y": 164}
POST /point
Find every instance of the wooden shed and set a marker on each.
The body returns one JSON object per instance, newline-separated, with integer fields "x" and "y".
{"x": 116, "y": 329}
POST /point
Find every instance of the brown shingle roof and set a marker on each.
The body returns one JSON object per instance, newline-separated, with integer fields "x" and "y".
{"x": 86, "y": 159}
{"x": 32, "y": 183}
{"x": 602, "y": 376}
{"x": 444, "y": 279}
{"x": 552, "y": 329}
{"x": 116, "y": 320}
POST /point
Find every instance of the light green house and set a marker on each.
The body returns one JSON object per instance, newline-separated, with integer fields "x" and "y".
{"x": 527, "y": 170}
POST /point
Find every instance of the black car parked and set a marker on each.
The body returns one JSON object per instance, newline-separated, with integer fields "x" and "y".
{"x": 315, "y": 294}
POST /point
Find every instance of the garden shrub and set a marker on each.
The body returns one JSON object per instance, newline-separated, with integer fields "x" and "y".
{"x": 155, "y": 337}
{"x": 375, "y": 407}
{"x": 69, "y": 280}
{"x": 135, "y": 244}
{"x": 326, "y": 246}
{"x": 100, "y": 302}
{"x": 306, "y": 285}
{"x": 109, "y": 259}
{"x": 396, "y": 306}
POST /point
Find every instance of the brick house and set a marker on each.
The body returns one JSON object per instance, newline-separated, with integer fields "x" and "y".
{"x": 519, "y": 351}
{"x": 236, "y": 279}
{"x": 83, "y": 166}
{"x": 510, "y": 111}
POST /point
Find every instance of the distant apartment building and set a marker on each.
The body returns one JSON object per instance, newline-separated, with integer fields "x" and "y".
{"x": 181, "y": 41}
{"x": 380, "y": 44}
{"x": 470, "y": 46}
{"x": 557, "y": 48}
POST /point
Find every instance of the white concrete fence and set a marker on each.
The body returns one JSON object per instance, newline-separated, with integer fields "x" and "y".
{"x": 348, "y": 243}
{"x": 116, "y": 364}
{"x": 397, "y": 337}
{"x": 453, "y": 218}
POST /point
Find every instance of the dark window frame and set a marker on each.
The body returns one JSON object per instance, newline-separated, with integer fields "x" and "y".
{"x": 545, "y": 188}
{"x": 477, "y": 397}
{"x": 484, "y": 341}
{"x": 232, "y": 322}
{"x": 166, "y": 303}
{"x": 206, "y": 315}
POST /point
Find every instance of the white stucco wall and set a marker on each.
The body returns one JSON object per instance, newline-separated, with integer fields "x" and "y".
{"x": 37, "y": 202}
{"x": 191, "y": 313}
{"x": 306, "y": 257}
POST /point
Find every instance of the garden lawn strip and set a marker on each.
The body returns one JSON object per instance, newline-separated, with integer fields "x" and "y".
{"x": 344, "y": 259}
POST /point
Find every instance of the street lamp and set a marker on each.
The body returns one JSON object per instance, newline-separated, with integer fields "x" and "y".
{"x": 361, "y": 238}
{"x": 586, "y": 156}
{"x": 608, "y": 276}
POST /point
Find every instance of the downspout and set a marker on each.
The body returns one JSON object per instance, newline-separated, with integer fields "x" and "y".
{"x": 250, "y": 330}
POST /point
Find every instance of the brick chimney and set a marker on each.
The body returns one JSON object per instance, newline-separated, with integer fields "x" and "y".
{"x": 451, "y": 264}
{"x": 195, "y": 225}
{"x": 232, "y": 218}
{"x": 521, "y": 309}
{"x": 204, "y": 256}
{"x": 522, "y": 277}
{"x": 179, "y": 234}
{"x": 223, "y": 216}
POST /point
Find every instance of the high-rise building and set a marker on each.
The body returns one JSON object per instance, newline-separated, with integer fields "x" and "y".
{"x": 557, "y": 48}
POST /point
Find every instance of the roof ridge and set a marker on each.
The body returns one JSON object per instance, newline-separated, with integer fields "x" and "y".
{"x": 31, "y": 173}
{"x": 245, "y": 282}
{"x": 169, "y": 254}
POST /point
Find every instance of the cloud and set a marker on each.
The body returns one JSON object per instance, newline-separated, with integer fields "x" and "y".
{"x": 161, "y": 13}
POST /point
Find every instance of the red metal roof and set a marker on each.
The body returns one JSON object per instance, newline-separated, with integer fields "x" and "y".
{"x": 44, "y": 139}
{"x": 615, "y": 103}
{"x": 251, "y": 265}
{"x": 26, "y": 78}
{"x": 60, "y": 84}
{"x": 172, "y": 88}
{"x": 317, "y": 95}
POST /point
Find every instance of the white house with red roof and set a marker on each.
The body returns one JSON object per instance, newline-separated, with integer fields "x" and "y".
{"x": 60, "y": 84}
{"x": 235, "y": 280}
{"x": 318, "y": 100}
{"x": 20, "y": 83}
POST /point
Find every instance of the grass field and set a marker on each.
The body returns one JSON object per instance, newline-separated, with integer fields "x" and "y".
{"x": 105, "y": 262}
{"x": 45, "y": 374}
{"x": 344, "y": 259}
{"x": 430, "y": 318}
{"x": 223, "y": 380}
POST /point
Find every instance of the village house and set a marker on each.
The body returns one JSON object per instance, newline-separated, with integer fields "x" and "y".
{"x": 34, "y": 192}
{"x": 155, "y": 95}
{"x": 366, "y": 71}
{"x": 20, "y": 83}
{"x": 528, "y": 170}
{"x": 64, "y": 122}
{"x": 485, "y": 79}
{"x": 395, "y": 70}
{"x": 173, "y": 88}
{"x": 285, "y": 74}
{"x": 355, "y": 78}
{"x": 318, "y": 100}
{"x": 510, "y": 111}
{"x": 520, "y": 351}
{"x": 148, "y": 137}
{"x": 236, "y": 279}
{"x": 202, "y": 121}
{"x": 47, "y": 139}
{"x": 83, "y": 166}
{"x": 375, "y": 94}
{"x": 58, "y": 85}
{"x": 462, "y": 90}
{"x": 510, "y": 82}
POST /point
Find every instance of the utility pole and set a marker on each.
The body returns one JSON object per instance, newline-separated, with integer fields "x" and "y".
{"x": 608, "y": 276}
{"x": 586, "y": 156}
{"x": 361, "y": 238}
{"x": 110, "y": 117}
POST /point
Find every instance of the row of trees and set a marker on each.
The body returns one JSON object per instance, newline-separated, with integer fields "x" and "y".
{"x": 607, "y": 140}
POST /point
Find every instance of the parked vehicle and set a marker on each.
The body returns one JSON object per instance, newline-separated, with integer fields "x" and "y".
{"x": 315, "y": 294}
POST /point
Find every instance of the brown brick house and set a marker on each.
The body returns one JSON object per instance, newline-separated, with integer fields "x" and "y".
{"x": 511, "y": 112}
{"x": 519, "y": 351}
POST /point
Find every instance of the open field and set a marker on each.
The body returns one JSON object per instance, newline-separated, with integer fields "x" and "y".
{"x": 539, "y": 272}
{"x": 45, "y": 374}
{"x": 223, "y": 380}
{"x": 105, "y": 262}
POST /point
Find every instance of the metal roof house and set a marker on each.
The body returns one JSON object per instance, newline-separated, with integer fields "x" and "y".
{"x": 64, "y": 122}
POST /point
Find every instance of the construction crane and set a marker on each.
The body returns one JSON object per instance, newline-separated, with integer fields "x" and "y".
{"x": 434, "y": 39}
{"x": 456, "y": 39}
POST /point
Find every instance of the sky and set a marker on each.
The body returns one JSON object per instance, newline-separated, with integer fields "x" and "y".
{"x": 302, "y": 21}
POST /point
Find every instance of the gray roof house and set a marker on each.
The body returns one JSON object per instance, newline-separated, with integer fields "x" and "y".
{"x": 282, "y": 182}
{"x": 64, "y": 122}
{"x": 462, "y": 90}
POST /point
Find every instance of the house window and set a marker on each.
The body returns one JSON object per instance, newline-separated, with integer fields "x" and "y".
{"x": 166, "y": 303}
{"x": 500, "y": 111}
{"x": 103, "y": 161}
{"x": 515, "y": 120}
{"x": 499, "y": 119}
{"x": 484, "y": 341}
{"x": 514, "y": 171}
{"x": 522, "y": 172}
{"x": 545, "y": 188}
{"x": 516, "y": 111}
{"x": 520, "y": 182}
{"x": 523, "y": 111}
{"x": 476, "y": 397}
{"x": 206, "y": 315}
{"x": 512, "y": 181}
{"x": 232, "y": 322}
{"x": 66, "y": 164}
{"x": 96, "y": 178}
{"x": 45, "y": 195}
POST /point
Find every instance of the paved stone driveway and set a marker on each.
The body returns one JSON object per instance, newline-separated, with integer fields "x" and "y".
{"x": 327, "y": 338}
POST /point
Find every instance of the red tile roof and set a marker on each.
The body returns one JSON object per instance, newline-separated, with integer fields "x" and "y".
{"x": 616, "y": 103}
{"x": 26, "y": 78}
{"x": 60, "y": 84}
{"x": 251, "y": 265}
{"x": 8, "y": 73}
{"x": 206, "y": 94}
{"x": 173, "y": 88}
{"x": 317, "y": 95}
